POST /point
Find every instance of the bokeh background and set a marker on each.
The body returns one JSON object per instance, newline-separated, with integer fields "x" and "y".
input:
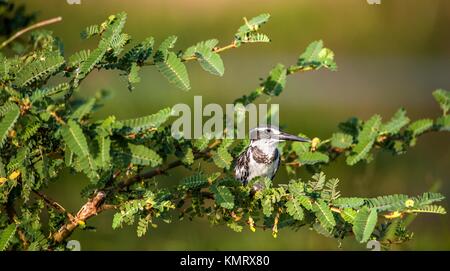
{"x": 389, "y": 56}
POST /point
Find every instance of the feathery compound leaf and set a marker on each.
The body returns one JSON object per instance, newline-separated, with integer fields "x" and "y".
{"x": 79, "y": 57}
{"x": 366, "y": 138}
{"x": 90, "y": 31}
{"x": 163, "y": 50}
{"x": 433, "y": 209}
{"x": 341, "y": 140}
{"x": 6, "y": 107}
{"x": 348, "y": 202}
{"x": 388, "y": 203}
{"x": 348, "y": 214}
{"x": 84, "y": 109}
{"x": 276, "y": 81}
{"x": 133, "y": 76}
{"x": 200, "y": 143}
{"x": 194, "y": 182}
{"x": 47, "y": 92}
{"x": 254, "y": 23}
{"x": 142, "y": 155}
{"x": 364, "y": 224}
{"x": 223, "y": 197}
{"x": 147, "y": 122}
{"x": 311, "y": 158}
{"x": 75, "y": 139}
{"x": 104, "y": 147}
{"x": 443, "y": 98}
{"x": 294, "y": 209}
{"x": 420, "y": 126}
{"x": 207, "y": 44}
{"x": 210, "y": 61}
{"x": 140, "y": 52}
{"x": 7, "y": 123}
{"x": 443, "y": 123}
{"x": 175, "y": 71}
{"x": 317, "y": 181}
{"x": 397, "y": 122}
{"x": 428, "y": 198}
{"x": 6, "y": 235}
{"x": 39, "y": 69}
{"x": 316, "y": 56}
{"x": 94, "y": 57}
{"x": 222, "y": 158}
{"x": 324, "y": 215}
{"x": 111, "y": 33}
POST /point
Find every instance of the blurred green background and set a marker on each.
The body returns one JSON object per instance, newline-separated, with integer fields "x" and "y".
{"x": 389, "y": 55}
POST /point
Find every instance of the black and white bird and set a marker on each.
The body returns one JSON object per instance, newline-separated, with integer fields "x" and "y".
{"x": 262, "y": 158}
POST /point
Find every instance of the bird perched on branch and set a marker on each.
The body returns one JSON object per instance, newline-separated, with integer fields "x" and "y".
{"x": 262, "y": 158}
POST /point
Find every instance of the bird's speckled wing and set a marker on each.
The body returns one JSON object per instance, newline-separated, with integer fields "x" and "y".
{"x": 241, "y": 170}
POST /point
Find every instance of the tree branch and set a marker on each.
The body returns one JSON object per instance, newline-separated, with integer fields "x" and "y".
{"x": 31, "y": 27}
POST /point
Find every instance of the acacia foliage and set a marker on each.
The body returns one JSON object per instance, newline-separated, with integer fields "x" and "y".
{"x": 45, "y": 128}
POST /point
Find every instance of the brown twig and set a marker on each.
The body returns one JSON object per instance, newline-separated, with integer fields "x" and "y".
{"x": 31, "y": 27}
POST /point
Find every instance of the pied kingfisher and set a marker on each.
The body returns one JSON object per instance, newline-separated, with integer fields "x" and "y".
{"x": 262, "y": 158}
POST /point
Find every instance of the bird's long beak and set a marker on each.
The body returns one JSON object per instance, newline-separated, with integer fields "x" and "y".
{"x": 289, "y": 137}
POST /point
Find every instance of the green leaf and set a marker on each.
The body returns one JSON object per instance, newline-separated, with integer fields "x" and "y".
{"x": 142, "y": 155}
{"x": 74, "y": 138}
{"x": 210, "y": 61}
{"x": 223, "y": 197}
{"x": 315, "y": 57}
{"x": 83, "y": 110}
{"x": 8, "y": 122}
{"x": 104, "y": 146}
{"x": 276, "y": 81}
{"x": 348, "y": 214}
{"x": 443, "y": 123}
{"x": 305, "y": 202}
{"x": 79, "y": 57}
{"x": 443, "y": 98}
{"x": 341, "y": 140}
{"x": 420, "y": 126}
{"x": 194, "y": 182}
{"x": 140, "y": 52}
{"x": 47, "y": 92}
{"x": 142, "y": 226}
{"x": 311, "y": 158}
{"x": 324, "y": 215}
{"x": 432, "y": 209}
{"x": 254, "y": 23}
{"x": 133, "y": 76}
{"x": 6, "y": 235}
{"x": 200, "y": 143}
{"x": 366, "y": 139}
{"x": 175, "y": 71}
{"x": 388, "y": 203}
{"x": 151, "y": 121}
{"x": 188, "y": 157}
{"x": 348, "y": 202}
{"x": 397, "y": 122}
{"x": 294, "y": 209}
{"x": 364, "y": 224}
{"x": 163, "y": 50}
{"x": 222, "y": 158}
{"x": 39, "y": 69}
{"x": 208, "y": 44}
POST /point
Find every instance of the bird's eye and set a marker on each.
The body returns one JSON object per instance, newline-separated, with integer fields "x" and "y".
{"x": 268, "y": 130}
